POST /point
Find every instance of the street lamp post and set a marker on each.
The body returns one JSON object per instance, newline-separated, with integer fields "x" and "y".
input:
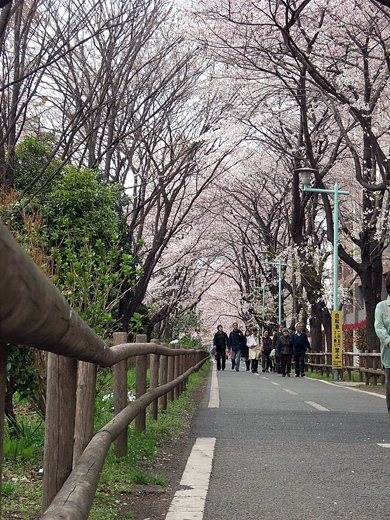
{"x": 279, "y": 263}
{"x": 262, "y": 327}
{"x": 305, "y": 174}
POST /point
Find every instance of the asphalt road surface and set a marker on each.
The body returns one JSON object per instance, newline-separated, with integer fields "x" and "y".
{"x": 293, "y": 448}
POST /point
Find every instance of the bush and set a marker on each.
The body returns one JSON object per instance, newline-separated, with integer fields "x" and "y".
{"x": 360, "y": 336}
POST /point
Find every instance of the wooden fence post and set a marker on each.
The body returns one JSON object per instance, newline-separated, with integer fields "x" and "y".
{"x": 85, "y": 408}
{"x": 153, "y": 379}
{"x": 120, "y": 395}
{"x": 185, "y": 365}
{"x": 181, "y": 371}
{"x": 176, "y": 374}
{"x": 3, "y": 383}
{"x": 163, "y": 379}
{"x": 140, "y": 383}
{"x": 59, "y": 425}
{"x": 171, "y": 374}
{"x": 361, "y": 364}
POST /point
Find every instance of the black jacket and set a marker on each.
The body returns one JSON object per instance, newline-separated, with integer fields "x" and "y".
{"x": 284, "y": 345}
{"x": 237, "y": 340}
{"x": 300, "y": 343}
{"x": 277, "y": 335}
{"x": 221, "y": 340}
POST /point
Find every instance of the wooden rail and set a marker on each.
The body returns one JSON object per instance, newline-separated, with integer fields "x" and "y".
{"x": 368, "y": 367}
{"x": 35, "y": 314}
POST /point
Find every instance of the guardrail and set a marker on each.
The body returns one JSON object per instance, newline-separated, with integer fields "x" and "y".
{"x": 368, "y": 365}
{"x": 35, "y": 314}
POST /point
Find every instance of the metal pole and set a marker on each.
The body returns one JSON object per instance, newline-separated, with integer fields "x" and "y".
{"x": 280, "y": 291}
{"x": 305, "y": 172}
{"x": 262, "y": 328}
{"x": 335, "y": 260}
{"x": 335, "y": 247}
{"x": 335, "y": 192}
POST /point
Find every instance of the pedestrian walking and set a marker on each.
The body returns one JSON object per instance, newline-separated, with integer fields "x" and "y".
{"x": 254, "y": 350}
{"x": 236, "y": 342}
{"x": 275, "y": 338}
{"x": 245, "y": 351}
{"x": 284, "y": 349}
{"x": 266, "y": 351}
{"x": 220, "y": 343}
{"x": 300, "y": 345}
{"x": 272, "y": 358}
{"x": 382, "y": 329}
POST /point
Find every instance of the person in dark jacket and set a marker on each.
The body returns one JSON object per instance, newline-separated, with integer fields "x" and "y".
{"x": 266, "y": 351}
{"x": 275, "y": 338}
{"x": 220, "y": 342}
{"x": 245, "y": 351}
{"x": 284, "y": 349}
{"x": 300, "y": 345}
{"x": 237, "y": 342}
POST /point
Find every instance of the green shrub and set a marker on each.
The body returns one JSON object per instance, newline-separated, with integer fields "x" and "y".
{"x": 15, "y": 449}
{"x": 8, "y": 488}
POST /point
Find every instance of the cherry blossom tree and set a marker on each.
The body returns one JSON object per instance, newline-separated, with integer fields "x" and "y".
{"x": 183, "y": 275}
{"x": 324, "y": 58}
{"x": 354, "y": 79}
{"x": 260, "y": 198}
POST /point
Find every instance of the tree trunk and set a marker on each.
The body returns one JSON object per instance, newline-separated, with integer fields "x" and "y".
{"x": 371, "y": 279}
{"x": 315, "y": 334}
{"x": 320, "y": 310}
{"x": 124, "y": 305}
{"x": 13, "y": 426}
{"x": 3, "y": 367}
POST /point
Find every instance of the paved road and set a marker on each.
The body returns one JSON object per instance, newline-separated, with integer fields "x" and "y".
{"x": 293, "y": 448}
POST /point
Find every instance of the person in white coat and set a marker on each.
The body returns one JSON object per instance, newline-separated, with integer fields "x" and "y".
{"x": 254, "y": 351}
{"x": 382, "y": 329}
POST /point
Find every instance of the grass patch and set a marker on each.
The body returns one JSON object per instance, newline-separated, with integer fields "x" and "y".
{"x": 21, "y": 490}
{"x": 22, "y": 485}
{"x": 318, "y": 375}
{"x": 141, "y": 477}
{"x": 355, "y": 378}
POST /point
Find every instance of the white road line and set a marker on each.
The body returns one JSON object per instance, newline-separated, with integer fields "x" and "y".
{"x": 273, "y": 383}
{"x": 317, "y": 406}
{"x": 214, "y": 390}
{"x": 346, "y": 387}
{"x": 384, "y": 445}
{"x": 189, "y": 503}
{"x": 290, "y": 391}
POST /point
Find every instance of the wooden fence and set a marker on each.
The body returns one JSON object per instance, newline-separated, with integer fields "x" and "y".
{"x": 34, "y": 313}
{"x": 367, "y": 365}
